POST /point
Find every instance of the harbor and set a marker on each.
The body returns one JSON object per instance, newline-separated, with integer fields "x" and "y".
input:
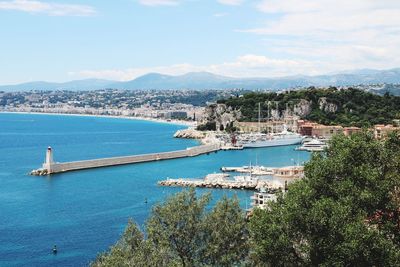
{"x": 272, "y": 178}
{"x": 102, "y": 197}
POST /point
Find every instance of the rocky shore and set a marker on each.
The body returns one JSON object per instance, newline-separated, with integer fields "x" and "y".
{"x": 39, "y": 172}
{"x": 248, "y": 185}
{"x": 190, "y": 133}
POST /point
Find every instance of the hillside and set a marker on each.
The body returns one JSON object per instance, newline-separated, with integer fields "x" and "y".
{"x": 327, "y": 106}
{"x": 206, "y": 80}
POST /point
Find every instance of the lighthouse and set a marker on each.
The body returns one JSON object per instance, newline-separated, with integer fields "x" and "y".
{"x": 49, "y": 160}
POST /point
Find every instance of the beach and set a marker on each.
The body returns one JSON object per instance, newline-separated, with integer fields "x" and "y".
{"x": 175, "y": 122}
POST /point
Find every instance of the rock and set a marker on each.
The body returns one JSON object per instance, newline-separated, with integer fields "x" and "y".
{"x": 189, "y": 134}
{"x": 221, "y": 115}
{"x": 303, "y": 108}
{"x": 39, "y": 172}
{"x": 324, "y": 105}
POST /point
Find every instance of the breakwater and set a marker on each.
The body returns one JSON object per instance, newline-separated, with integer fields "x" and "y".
{"x": 51, "y": 167}
{"x": 223, "y": 184}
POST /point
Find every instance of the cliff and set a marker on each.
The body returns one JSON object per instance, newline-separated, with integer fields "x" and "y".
{"x": 330, "y": 106}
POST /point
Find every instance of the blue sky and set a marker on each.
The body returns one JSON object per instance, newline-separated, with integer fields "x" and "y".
{"x": 123, "y": 39}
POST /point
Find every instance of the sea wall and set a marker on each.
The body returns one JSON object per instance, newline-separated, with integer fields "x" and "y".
{"x": 96, "y": 163}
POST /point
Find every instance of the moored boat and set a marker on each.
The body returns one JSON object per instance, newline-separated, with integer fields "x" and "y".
{"x": 314, "y": 145}
{"x": 284, "y": 138}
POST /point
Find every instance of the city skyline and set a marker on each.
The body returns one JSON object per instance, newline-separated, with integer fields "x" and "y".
{"x": 121, "y": 40}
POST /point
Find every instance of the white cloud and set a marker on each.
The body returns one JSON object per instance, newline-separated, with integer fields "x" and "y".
{"x": 177, "y": 2}
{"x": 339, "y": 34}
{"x": 230, "y": 2}
{"x": 131, "y": 73}
{"x": 48, "y": 8}
{"x": 244, "y": 66}
{"x": 159, "y": 2}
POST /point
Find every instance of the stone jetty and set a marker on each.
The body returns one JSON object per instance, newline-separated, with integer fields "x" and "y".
{"x": 190, "y": 134}
{"x": 223, "y": 184}
{"x": 51, "y": 167}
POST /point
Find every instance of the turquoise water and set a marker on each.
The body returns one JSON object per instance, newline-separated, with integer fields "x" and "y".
{"x": 85, "y": 212}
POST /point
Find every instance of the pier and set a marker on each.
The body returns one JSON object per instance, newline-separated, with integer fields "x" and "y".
{"x": 51, "y": 167}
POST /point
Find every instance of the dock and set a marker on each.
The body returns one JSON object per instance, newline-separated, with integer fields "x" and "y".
{"x": 281, "y": 172}
{"x": 51, "y": 167}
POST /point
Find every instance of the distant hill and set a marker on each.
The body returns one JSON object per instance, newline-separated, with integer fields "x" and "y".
{"x": 393, "y": 89}
{"x": 206, "y": 80}
{"x": 79, "y": 85}
{"x": 191, "y": 80}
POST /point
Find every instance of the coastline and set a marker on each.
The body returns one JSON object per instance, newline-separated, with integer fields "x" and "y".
{"x": 174, "y": 122}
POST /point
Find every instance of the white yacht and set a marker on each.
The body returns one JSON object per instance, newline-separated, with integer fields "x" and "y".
{"x": 313, "y": 145}
{"x": 284, "y": 138}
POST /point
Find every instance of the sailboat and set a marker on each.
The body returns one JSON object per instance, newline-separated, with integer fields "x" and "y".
{"x": 284, "y": 138}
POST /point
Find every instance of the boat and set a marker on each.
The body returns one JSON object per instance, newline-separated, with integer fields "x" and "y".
{"x": 284, "y": 138}
{"x": 254, "y": 140}
{"x": 254, "y": 170}
{"x": 313, "y": 146}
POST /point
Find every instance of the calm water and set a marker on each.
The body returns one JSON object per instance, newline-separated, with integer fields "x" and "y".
{"x": 85, "y": 212}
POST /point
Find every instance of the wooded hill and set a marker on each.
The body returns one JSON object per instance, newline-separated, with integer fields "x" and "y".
{"x": 349, "y": 107}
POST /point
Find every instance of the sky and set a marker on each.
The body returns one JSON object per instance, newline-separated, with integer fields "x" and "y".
{"x": 120, "y": 40}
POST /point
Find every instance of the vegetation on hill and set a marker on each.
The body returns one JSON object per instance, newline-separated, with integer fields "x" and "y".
{"x": 351, "y": 107}
{"x": 345, "y": 212}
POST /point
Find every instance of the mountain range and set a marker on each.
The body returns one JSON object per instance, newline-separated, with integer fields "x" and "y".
{"x": 206, "y": 80}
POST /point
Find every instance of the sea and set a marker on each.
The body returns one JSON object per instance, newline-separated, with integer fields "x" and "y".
{"x": 84, "y": 212}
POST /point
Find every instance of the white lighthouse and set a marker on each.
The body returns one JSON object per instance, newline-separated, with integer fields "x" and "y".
{"x": 49, "y": 160}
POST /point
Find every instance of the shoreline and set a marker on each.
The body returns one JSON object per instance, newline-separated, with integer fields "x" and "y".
{"x": 173, "y": 122}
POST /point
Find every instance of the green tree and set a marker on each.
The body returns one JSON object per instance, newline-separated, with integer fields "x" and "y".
{"x": 344, "y": 213}
{"x": 177, "y": 226}
{"x": 225, "y": 234}
{"x": 130, "y": 248}
{"x": 180, "y": 232}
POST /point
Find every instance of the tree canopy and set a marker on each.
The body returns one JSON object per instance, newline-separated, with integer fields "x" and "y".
{"x": 180, "y": 232}
{"x": 346, "y": 212}
{"x": 354, "y": 107}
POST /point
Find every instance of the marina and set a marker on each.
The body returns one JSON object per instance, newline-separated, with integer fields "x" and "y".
{"x": 283, "y": 172}
{"x": 269, "y": 139}
{"x": 254, "y": 179}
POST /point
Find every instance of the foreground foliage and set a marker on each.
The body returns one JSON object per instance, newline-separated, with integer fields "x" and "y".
{"x": 346, "y": 212}
{"x": 182, "y": 233}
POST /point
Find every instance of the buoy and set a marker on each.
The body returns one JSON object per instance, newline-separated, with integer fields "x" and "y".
{"x": 55, "y": 249}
